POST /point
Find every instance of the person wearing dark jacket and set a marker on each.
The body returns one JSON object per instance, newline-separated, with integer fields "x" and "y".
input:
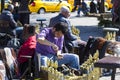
{"x": 98, "y": 5}
{"x": 10, "y": 26}
{"x": 70, "y": 39}
{"x": 7, "y": 16}
{"x": 93, "y": 7}
{"x": 76, "y": 4}
{"x": 24, "y": 12}
{"x": 83, "y": 8}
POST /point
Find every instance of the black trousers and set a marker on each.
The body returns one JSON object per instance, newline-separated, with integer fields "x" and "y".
{"x": 24, "y": 18}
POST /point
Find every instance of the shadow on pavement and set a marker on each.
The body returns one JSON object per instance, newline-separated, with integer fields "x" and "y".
{"x": 86, "y": 31}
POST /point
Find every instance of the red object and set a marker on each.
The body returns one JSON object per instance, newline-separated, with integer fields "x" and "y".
{"x": 27, "y": 49}
{"x": 33, "y": 4}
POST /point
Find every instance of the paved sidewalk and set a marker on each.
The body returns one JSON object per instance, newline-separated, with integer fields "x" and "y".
{"x": 117, "y": 76}
{"x": 88, "y": 27}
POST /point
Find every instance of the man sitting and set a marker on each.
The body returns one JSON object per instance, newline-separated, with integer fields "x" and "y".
{"x": 70, "y": 39}
{"x": 7, "y": 23}
{"x": 50, "y": 44}
{"x": 7, "y": 16}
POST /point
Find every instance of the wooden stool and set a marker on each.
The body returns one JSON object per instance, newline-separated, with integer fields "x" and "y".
{"x": 109, "y": 62}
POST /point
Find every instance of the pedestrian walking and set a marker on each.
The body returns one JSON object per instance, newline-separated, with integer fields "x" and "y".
{"x": 83, "y": 8}
{"x": 98, "y": 6}
{"x": 70, "y": 39}
{"x": 93, "y": 8}
{"x": 24, "y": 12}
{"x": 15, "y": 12}
{"x": 116, "y": 11}
{"x": 76, "y": 4}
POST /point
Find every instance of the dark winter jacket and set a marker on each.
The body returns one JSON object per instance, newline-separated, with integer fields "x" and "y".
{"x": 6, "y": 16}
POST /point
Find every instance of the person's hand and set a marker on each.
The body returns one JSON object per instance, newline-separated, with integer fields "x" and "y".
{"x": 59, "y": 56}
{"x": 82, "y": 42}
{"x": 55, "y": 47}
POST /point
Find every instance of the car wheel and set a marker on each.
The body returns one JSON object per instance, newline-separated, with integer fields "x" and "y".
{"x": 41, "y": 11}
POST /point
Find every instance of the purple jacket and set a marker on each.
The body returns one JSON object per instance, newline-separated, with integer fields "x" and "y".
{"x": 47, "y": 33}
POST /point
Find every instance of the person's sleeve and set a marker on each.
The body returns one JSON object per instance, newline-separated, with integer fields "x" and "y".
{"x": 60, "y": 43}
{"x": 69, "y": 34}
{"x": 41, "y": 34}
{"x": 50, "y": 23}
{"x": 13, "y": 24}
{"x": 28, "y": 47}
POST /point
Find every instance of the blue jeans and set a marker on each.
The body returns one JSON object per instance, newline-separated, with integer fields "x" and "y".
{"x": 18, "y": 32}
{"x": 79, "y": 9}
{"x": 70, "y": 59}
{"x": 83, "y": 10}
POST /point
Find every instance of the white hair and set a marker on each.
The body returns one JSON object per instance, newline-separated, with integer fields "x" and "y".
{"x": 10, "y": 7}
{"x": 64, "y": 9}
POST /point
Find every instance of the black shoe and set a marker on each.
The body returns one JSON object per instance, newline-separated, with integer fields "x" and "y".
{"x": 107, "y": 72}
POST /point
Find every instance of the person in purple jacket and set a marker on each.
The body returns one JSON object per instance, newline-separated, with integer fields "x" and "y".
{"x": 50, "y": 44}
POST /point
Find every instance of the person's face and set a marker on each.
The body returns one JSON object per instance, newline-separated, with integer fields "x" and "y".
{"x": 58, "y": 34}
{"x": 67, "y": 14}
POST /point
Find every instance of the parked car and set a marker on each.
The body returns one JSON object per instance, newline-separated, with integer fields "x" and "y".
{"x": 42, "y": 6}
{"x": 109, "y": 3}
{"x": 71, "y": 2}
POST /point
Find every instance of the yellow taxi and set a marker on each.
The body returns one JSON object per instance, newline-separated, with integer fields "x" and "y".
{"x": 42, "y": 6}
{"x": 71, "y": 2}
{"x": 6, "y": 3}
{"x": 109, "y": 3}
